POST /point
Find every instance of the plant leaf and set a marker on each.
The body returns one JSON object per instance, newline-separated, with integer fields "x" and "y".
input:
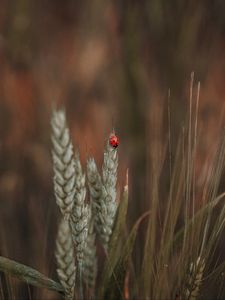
{"x": 29, "y": 275}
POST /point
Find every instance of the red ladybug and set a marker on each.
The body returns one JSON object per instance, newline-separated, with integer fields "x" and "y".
{"x": 114, "y": 141}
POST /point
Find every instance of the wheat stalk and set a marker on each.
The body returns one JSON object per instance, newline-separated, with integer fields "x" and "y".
{"x": 195, "y": 279}
{"x": 63, "y": 163}
{"x": 65, "y": 259}
{"x": 79, "y": 217}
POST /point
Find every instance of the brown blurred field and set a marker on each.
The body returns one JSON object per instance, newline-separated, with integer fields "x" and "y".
{"x": 111, "y": 63}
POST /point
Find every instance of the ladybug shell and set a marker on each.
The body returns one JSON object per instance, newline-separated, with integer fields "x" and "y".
{"x": 114, "y": 141}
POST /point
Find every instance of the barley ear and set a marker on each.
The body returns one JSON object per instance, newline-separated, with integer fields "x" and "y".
{"x": 65, "y": 258}
{"x": 63, "y": 163}
{"x": 195, "y": 279}
{"x": 79, "y": 217}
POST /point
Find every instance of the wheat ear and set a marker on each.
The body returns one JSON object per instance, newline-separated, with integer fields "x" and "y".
{"x": 96, "y": 189}
{"x": 79, "y": 217}
{"x": 63, "y": 163}
{"x": 109, "y": 179}
{"x": 65, "y": 259}
{"x": 103, "y": 193}
{"x": 195, "y": 279}
{"x": 90, "y": 258}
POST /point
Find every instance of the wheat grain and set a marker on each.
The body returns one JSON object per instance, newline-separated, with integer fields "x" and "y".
{"x": 63, "y": 163}
{"x": 65, "y": 259}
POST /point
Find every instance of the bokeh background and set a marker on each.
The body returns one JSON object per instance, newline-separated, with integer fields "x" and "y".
{"x": 111, "y": 63}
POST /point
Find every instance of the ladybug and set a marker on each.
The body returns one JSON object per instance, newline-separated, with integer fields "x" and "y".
{"x": 114, "y": 141}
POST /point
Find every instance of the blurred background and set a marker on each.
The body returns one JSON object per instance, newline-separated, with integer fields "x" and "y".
{"x": 111, "y": 63}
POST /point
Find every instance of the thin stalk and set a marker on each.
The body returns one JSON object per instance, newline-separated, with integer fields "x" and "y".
{"x": 81, "y": 292}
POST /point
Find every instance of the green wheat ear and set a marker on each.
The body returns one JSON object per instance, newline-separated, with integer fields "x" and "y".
{"x": 79, "y": 218}
{"x": 95, "y": 189}
{"x": 109, "y": 179}
{"x": 103, "y": 193}
{"x": 65, "y": 258}
{"x": 90, "y": 258}
{"x": 63, "y": 163}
